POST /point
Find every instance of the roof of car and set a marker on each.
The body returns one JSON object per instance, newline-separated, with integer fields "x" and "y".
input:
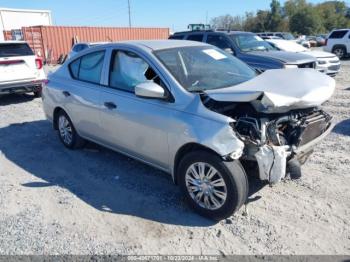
{"x": 227, "y": 32}
{"x": 91, "y": 43}
{"x": 161, "y": 44}
{"x": 342, "y": 29}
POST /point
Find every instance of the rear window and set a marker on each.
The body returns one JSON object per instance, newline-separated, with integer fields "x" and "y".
{"x": 338, "y": 34}
{"x": 197, "y": 37}
{"x": 8, "y": 50}
{"x": 88, "y": 68}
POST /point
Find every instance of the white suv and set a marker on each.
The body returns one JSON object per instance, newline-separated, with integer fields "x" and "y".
{"x": 338, "y": 42}
{"x": 20, "y": 70}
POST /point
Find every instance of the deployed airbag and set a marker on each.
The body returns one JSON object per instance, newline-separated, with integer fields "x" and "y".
{"x": 279, "y": 91}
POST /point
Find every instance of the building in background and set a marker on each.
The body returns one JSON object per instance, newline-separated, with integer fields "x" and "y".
{"x": 12, "y": 20}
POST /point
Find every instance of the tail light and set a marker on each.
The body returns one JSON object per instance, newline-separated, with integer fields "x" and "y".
{"x": 39, "y": 63}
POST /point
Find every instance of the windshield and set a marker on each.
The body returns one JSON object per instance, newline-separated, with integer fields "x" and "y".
{"x": 250, "y": 42}
{"x": 204, "y": 68}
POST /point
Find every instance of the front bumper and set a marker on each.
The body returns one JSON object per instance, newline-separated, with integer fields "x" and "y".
{"x": 330, "y": 69}
{"x": 272, "y": 160}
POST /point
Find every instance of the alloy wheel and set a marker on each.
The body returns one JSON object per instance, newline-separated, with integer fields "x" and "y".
{"x": 206, "y": 186}
{"x": 65, "y": 129}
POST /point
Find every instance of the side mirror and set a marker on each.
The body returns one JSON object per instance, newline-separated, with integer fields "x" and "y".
{"x": 150, "y": 90}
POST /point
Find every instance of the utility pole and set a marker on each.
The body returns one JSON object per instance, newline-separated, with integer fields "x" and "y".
{"x": 129, "y": 13}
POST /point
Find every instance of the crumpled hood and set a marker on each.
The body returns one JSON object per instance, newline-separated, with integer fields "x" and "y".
{"x": 280, "y": 90}
{"x": 286, "y": 57}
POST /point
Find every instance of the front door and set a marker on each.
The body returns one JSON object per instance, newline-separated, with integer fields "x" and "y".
{"x": 134, "y": 125}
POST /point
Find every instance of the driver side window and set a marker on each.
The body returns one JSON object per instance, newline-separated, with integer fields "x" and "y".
{"x": 218, "y": 41}
{"x": 128, "y": 70}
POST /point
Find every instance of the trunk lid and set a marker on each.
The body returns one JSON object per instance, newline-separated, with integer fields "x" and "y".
{"x": 279, "y": 91}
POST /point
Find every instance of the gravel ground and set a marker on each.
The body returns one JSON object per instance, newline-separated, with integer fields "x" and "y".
{"x": 95, "y": 201}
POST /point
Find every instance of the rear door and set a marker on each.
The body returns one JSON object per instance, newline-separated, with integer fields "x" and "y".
{"x": 81, "y": 94}
{"x": 17, "y": 63}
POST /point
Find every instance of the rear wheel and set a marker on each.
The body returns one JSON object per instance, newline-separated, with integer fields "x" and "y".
{"x": 67, "y": 133}
{"x": 37, "y": 93}
{"x": 339, "y": 51}
{"x": 212, "y": 187}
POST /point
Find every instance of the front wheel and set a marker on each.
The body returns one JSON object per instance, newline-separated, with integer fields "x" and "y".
{"x": 212, "y": 187}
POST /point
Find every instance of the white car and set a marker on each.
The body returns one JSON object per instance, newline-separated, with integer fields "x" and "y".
{"x": 21, "y": 71}
{"x": 327, "y": 63}
{"x": 338, "y": 42}
{"x": 82, "y": 46}
{"x": 286, "y": 36}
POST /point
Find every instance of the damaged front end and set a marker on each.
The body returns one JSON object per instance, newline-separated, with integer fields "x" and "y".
{"x": 277, "y": 114}
{"x": 275, "y": 141}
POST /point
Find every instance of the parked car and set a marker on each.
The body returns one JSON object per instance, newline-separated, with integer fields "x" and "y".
{"x": 327, "y": 63}
{"x": 21, "y": 71}
{"x": 338, "y": 43}
{"x": 286, "y": 36}
{"x": 251, "y": 49}
{"x": 82, "y": 46}
{"x": 191, "y": 110}
{"x": 321, "y": 40}
{"x": 270, "y": 37}
{"x": 312, "y": 40}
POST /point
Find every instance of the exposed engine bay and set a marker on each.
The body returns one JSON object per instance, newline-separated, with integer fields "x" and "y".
{"x": 273, "y": 139}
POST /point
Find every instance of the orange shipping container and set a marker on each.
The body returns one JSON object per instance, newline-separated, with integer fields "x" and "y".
{"x": 50, "y": 42}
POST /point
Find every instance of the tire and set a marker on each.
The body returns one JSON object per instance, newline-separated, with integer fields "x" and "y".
{"x": 37, "y": 94}
{"x": 230, "y": 174}
{"x": 67, "y": 133}
{"x": 339, "y": 51}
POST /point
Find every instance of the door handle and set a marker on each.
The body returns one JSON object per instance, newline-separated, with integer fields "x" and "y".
{"x": 66, "y": 93}
{"x": 110, "y": 105}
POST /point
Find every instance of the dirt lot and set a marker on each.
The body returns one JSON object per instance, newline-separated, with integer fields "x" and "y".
{"x": 94, "y": 201}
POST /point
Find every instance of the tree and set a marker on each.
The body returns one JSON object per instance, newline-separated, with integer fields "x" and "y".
{"x": 334, "y": 14}
{"x": 228, "y": 22}
{"x": 297, "y": 16}
{"x": 258, "y": 22}
{"x": 293, "y": 6}
{"x": 305, "y": 21}
{"x": 275, "y": 17}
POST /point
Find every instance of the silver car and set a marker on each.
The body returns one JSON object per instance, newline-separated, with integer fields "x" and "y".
{"x": 191, "y": 110}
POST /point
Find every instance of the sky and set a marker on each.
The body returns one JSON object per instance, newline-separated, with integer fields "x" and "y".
{"x": 175, "y": 14}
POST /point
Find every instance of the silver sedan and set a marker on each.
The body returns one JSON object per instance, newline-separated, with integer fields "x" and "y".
{"x": 193, "y": 111}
